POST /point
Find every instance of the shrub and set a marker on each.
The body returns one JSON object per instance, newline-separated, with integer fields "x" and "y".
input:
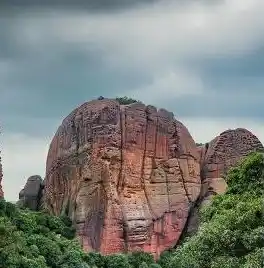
{"x": 117, "y": 261}
{"x": 125, "y": 100}
{"x": 138, "y": 257}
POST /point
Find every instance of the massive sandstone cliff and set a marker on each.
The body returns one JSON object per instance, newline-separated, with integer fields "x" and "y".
{"x": 126, "y": 175}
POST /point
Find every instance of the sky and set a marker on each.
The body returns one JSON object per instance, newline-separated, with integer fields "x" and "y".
{"x": 203, "y": 60}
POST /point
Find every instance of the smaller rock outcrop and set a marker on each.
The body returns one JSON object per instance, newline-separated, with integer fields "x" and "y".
{"x": 216, "y": 158}
{"x": 222, "y": 153}
{"x": 31, "y": 195}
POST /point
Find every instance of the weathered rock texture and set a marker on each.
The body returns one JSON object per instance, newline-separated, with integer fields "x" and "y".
{"x": 127, "y": 176}
{"x": 216, "y": 158}
{"x": 1, "y": 177}
{"x": 222, "y": 153}
{"x": 31, "y": 195}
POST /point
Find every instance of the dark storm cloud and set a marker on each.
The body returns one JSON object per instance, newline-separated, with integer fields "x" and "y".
{"x": 231, "y": 104}
{"x": 88, "y": 4}
{"x": 247, "y": 67}
{"x": 200, "y": 59}
{"x": 49, "y": 64}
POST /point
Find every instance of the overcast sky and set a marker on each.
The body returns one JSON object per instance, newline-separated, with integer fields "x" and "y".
{"x": 202, "y": 60}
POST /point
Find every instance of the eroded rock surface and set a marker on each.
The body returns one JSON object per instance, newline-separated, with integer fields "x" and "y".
{"x": 216, "y": 158}
{"x": 223, "y": 152}
{"x": 30, "y": 196}
{"x": 126, "y": 175}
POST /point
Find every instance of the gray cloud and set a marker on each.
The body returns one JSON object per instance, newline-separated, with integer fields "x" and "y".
{"x": 203, "y": 60}
{"x": 194, "y": 59}
{"x": 93, "y": 5}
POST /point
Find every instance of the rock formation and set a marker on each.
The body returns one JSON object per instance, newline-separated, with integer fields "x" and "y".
{"x": 129, "y": 175}
{"x": 31, "y": 195}
{"x": 126, "y": 174}
{"x": 222, "y": 153}
{"x": 216, "y": 158}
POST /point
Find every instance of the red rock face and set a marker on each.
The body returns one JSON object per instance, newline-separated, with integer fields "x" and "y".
{"x": 216, "y": 158}
{"x": 126, "y": 175}
{"x": 222, "y": 153}
{"x": 226, "y": 150}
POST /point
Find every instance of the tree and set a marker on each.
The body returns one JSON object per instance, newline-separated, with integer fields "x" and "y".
{"x": 117, "y": 261}
{"x": 36, "y": 239}
{"x": 126, "y": 100}
{"x": 143, "y": 265}
{"x": 138, "y": 257}
{"x": 198, "y": 144}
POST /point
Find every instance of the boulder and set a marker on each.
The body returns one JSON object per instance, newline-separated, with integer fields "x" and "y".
{"x": 30, "y": 196}
{"x": 222, "y": 153}
{"x": 127, "y": 175}
{"x": 216, "y": 158}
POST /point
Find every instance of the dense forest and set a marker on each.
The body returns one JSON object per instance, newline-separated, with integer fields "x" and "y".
{"x": 231, "y": 234}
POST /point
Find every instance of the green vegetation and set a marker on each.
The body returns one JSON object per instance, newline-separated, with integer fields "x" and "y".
{"x": 37, "y": 240}
{"x": 231, "y": 234}
{"x": 122, "y": 100}
{"x": 232, "y": 230}
{"x": 126, "y": 100}
{"x": 199, "y": 144}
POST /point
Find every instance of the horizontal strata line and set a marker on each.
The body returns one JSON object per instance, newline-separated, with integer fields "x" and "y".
{"x": 188, "y": 155}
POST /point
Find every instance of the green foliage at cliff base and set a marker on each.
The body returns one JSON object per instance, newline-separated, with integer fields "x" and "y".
{"x": 232, "y": 231}
{"x": 38, "y": 240}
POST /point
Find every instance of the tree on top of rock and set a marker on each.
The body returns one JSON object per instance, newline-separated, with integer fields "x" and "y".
{"x": 126, "y": 100}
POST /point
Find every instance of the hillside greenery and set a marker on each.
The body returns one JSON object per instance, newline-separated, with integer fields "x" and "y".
{"x": 37, "y": 240}
{"x": 231, "y": 234}
{"x": 232, "y": 231}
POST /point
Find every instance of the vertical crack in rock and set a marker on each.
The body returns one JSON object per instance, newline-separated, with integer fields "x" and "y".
{"x": 120, "y": 182}
{"x": 142, "y": 177}
{"x": 183, "y": 182}
{"x": 143, "y": 186}
{"x": 168, "y": 192}
{"x": 204, "y": 151}
{"x": 76, "y": 134}
{"x": 125, "y": 233}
